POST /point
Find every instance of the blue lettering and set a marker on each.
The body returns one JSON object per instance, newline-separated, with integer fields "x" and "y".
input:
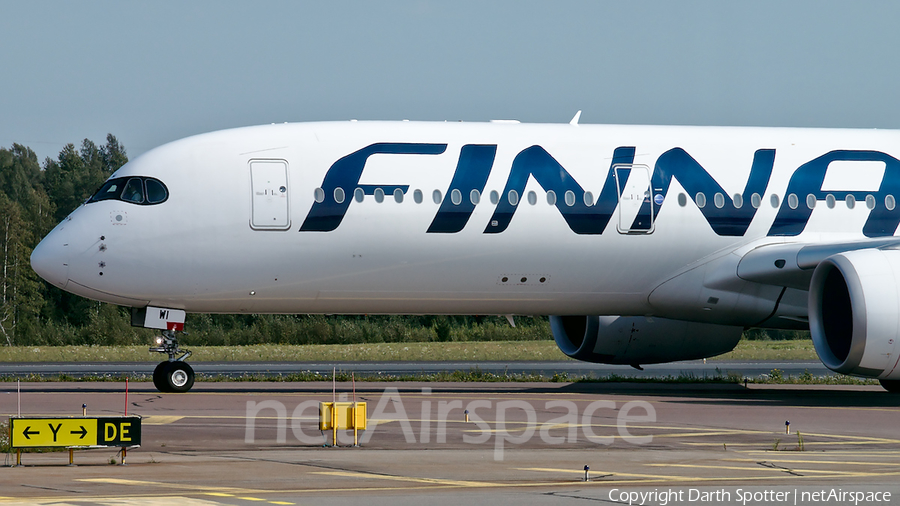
{"x": 725, "y": 214}
{"x": 581, "y": 218}
{"x": 325, "y": 216}
{"x": 729, "y": 220}
{"x": 472, "y": 171}
{"x": 808, "y": 179}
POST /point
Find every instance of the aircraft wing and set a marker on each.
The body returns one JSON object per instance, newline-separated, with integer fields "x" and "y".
{"x": 793, "y": 264}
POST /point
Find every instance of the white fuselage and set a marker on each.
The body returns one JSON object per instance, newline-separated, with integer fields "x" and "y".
{"x": 204, "y": 250}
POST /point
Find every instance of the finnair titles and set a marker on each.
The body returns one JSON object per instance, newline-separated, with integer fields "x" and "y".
{"x": 583, "y": 215}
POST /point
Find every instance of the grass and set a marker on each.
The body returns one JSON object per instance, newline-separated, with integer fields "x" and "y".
{"x": 474, "y": 374}
{"x": 799, "y": 349}
{"x": 470, "y": 351}
{"x": 454, "y": 351}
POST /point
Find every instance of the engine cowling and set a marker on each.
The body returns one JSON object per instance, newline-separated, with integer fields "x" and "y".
{"x": 640, "y": 340}
{"x": 853, "y": 312}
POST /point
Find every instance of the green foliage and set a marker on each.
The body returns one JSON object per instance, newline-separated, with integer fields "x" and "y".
{"x": 777, "y": 375}
{"x": 775, "y": 335}
{"x": 231, "y": 330}
{"x": 32, "y": 200}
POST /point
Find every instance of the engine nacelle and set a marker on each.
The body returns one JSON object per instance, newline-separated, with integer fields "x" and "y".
{"x": 853, "y": 312}
{"x": 640, "y": 340}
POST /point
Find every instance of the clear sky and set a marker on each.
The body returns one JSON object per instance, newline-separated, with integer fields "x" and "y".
{"x": 152, "y": 72}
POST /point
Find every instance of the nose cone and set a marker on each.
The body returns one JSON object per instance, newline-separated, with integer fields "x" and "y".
{"x": 50, "y": 260}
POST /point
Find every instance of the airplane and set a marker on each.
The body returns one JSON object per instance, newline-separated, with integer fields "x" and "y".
{"x": 643, "y": 244}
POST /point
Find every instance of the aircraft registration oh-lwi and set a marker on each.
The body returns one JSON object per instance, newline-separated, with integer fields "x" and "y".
{"x": 645, "y": 244}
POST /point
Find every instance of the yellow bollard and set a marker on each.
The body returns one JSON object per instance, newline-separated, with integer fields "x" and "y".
{"x": 355, "y": 429}
{"x": 334, "y": 424}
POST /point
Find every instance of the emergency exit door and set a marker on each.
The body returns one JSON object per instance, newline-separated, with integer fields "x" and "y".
{"x": 270, "y": 200}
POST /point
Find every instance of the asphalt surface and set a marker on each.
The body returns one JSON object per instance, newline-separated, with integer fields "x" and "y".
{"x": 695, "y": 368}
{"x": 247, "y": 443}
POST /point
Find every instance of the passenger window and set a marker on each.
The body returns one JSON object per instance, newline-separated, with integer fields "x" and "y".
{"x": 436, "y": 196}
{"x": 682, "y": 199}
{"x": 774, "y": 200}
{"x": 398, "y": 195}
{"x": 850, "y": 201}
{"x": 551, "y": 197}
{"x": 379, "y": 195}
{"x": 811, "y": 201}
{"x": 719, "y": 200}
{"x": 532, "y": 198}
{"x": 793, "y": 201}
{"x": 588, "y": 199}
{"x": 700, "y": 199}
{"x": 889, "y": 202}
{"x": 339, "y": 195}
{"x": 417, "y": 196}
{"x": 513, "y": 197}
{"x": 495, "y": 197}
{"x": 319, "y": 195}
{"x": 474, "y": 197}
{"x": 156, "y": 191}
{"x": 359, "y": 195}
{"x": 829, "y": 201}
{"x": 570, "y": 198}
{"x": 755, "y": 200}
{"x": 738, "y": 201}
{"x": 456, "y": 197}
{"x": 870, "y": 202}
{"x": 134, "y": 191}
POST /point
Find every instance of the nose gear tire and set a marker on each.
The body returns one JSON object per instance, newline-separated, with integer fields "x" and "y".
{"x": 173, "y": 377}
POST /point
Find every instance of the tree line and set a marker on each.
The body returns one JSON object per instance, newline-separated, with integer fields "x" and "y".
{"x": 35, "y": 196}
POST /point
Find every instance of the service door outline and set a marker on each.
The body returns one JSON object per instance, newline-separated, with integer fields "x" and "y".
{"x": 270, "y": 195}
{"x": 635, "y": 192}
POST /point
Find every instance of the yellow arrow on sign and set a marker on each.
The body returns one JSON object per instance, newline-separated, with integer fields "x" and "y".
{"x": 28, "y": 432}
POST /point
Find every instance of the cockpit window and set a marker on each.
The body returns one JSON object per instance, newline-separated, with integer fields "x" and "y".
{"x": 110, "y": 190}
{"x": 136, "y": 190}
{"x": 156, "y": 192}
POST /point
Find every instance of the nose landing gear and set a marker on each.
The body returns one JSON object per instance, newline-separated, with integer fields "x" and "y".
{"x": 174, "y": 375}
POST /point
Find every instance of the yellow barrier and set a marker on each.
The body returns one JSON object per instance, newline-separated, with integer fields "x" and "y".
{"x": 335, "y": 416}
